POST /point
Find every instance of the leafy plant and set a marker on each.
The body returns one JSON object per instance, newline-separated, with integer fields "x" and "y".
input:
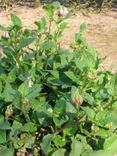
{"x": 54, "y": 101}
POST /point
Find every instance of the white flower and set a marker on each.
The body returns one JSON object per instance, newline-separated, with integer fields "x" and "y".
{"x": 62, "y": 12}
{"x": 5, "y": 34}
{"x": 30, "y": 82}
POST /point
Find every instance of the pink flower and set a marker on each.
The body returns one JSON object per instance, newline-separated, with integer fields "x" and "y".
{"x": 6, "y": 34}
{"x": 62, "y": 12}
{"x": 77, "y": 100}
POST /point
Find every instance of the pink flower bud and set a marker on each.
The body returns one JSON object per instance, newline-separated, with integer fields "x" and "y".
{"x": 6, "y": 34}
{"x": 77, "y": 100}
{"x": 62, "y": 12}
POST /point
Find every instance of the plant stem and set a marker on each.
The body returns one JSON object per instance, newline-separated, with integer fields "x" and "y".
{"x": 50, "y": 23}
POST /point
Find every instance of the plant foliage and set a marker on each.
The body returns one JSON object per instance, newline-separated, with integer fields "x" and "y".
{"x": 54, "y": 101}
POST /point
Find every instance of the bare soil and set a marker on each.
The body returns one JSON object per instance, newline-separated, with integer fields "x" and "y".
{"x": 101, "y": 33}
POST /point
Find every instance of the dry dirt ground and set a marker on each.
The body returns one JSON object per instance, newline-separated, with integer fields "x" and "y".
{"x": 101, "y": 33}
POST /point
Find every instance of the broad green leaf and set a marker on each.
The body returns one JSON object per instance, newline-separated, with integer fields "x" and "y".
{"x": 107, "y": 119}
{"x": 26, "y": 139}
{"x": 73, "y": 77}
{"x": 101, "y": 153}
{"x": 4, "y": 125}
{"x": 29, "y": 127}
{"x": 56, "y": 5}
{"x": 29, "y": 92}
{"x": 113, "y": 85}
{"x": 83, "y": 27}
{"x": 48, "y": 45}
{"x": 59, "y": 152}
{"x": 12, "y": 75}
{"x": 41, "y": 25}
{"x": 89, "y": 112}
{"x": 88, "y": 98}
{"x": 76, "y": 148}
{"x": 2, "y": 136}
{"x": 49, "y": 8}
{"x": 26, "y": 42}
{"x": 63, "y": 25}
{"x": 7, "y": 151}
{"x": 16, "y": 20}
{"x": 111, "y": 143}
{"x": 58, "y": 122}
{"x": 46, "y": 142}
{"x": 8, "y": 93}
{"x": 59, "y": 141}
{"x": 34, "y": 91}
{"x": 60, "y": 106}
{"x": 71, "y": 130}
{"x": 70, "y": 108}
{"x": 79, "y": 64}
{"x": 80, "y": 39}
{"x": 9, "y": 53}
{"x": 24, "y": 88}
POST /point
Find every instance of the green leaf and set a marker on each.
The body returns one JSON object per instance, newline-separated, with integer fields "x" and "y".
{"x": 76, "y": 148}
{"x": 8, "y": 93}
{"x": 89, "y": 112}
{"x": 49, "y": 8}
{"x": 26, "y": 139}
{"x": 88, "y": 98}
{"x": 59, "y": 141}
{"x": 60, "y": 106}
{"x": 24, "y": 88}
{"x": 26, "y": 42}
{"x": 56, "y": 5}
{"x": 73, "y": 77}
{"x": 59, "y": 152}
{"x": 114, "y": 85}
{"x": 9, "y": 53}
{"x": 41, "y": 25}
{"x": 101, "y": 153}
{"x": 63, "y": 25}
{"x": 71, "y": 130}
{"x": 48, "y": 45}
{"x": 2, "y": 136}
{"x": 46, "y": 142}
{"x": 34, "y": 91}
{"x": 12, "y": 75}
{"x": 58, "y": 122}
{"x": 70, "y": 108}
{"x": 29, "y": 127}
{"x": 4, "y": 125}
{"x": 111, "y": 143}
{"x": 106, "y": 118}
{"x": 16, "y": 20}
{"x": 29, "y": 92}
{"x": 7, "y": 151}
{"x": 80, "y": 39}
{"x": 83, "y": 27}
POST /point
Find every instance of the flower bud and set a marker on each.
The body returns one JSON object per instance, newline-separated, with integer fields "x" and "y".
{"x": 26, "y": 102}
{"x": 30, "y": 83}
{"x": 5, "y": 34}
{"x": 62, "y": 12}
{"x": 8, "y": 114}
{"x": 77, "y": 100}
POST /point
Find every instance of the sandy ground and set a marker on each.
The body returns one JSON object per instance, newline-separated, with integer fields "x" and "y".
{"x": 101, "y": 33}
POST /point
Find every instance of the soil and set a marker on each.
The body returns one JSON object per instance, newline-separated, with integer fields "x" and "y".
{"x": 101, "y": 33}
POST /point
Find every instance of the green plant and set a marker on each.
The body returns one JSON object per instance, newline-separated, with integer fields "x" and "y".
{"x": 53, "y": 101}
